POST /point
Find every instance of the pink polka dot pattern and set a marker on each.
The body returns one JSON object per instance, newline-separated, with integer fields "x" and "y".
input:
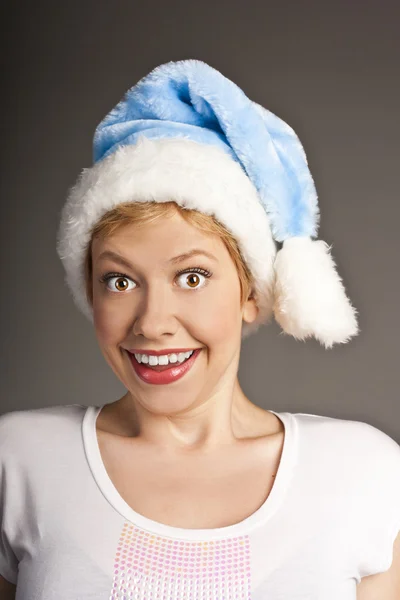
{"x": 151, "y": 567}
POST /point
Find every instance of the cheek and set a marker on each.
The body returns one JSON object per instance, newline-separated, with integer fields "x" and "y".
{"x": 219, "y": 316}
{"x": 108, "y": 324}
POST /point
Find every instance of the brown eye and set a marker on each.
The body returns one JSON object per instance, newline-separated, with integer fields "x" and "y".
{"x": 119, "y": 285}
{"x": 193, "y": 278}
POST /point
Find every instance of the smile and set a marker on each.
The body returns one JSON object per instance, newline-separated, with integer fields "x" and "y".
{"x": 160, "y": 374}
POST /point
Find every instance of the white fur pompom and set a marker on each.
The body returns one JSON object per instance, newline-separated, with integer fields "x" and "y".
{"x": 310, "y": 299}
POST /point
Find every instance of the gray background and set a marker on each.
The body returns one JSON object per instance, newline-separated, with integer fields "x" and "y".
{"x": 330, "y": 69}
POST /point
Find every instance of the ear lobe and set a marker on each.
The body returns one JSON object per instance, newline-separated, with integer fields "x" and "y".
{"x": 250, "y": 310}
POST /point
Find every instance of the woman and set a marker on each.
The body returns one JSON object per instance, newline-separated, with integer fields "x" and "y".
{"x": 184, "y": 488}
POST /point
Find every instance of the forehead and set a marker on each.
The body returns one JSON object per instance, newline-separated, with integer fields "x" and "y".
{"x": 171, "y": 240}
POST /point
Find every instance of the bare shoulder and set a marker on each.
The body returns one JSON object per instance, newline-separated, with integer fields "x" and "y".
{"x": 7, "y": 589}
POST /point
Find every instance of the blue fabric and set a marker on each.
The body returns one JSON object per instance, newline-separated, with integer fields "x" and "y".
{"x": 192, "y": 100}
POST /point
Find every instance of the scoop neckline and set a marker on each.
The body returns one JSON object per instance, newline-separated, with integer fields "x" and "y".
{"x": 259, "y": 517}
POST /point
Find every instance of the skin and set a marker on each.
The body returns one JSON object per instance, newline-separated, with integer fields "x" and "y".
{"x": 200, "y": 431}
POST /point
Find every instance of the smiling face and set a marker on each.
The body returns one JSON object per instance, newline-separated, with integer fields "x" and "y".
{"x": 149, "y": 306}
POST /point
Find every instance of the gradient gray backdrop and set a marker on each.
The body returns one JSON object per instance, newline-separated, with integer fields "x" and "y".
{"x": 330, "y": 69}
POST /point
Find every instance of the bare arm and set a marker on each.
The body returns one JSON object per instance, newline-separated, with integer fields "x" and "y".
{"x": 7, "y": 589}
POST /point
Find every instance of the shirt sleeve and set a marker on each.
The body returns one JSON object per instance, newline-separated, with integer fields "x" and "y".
{"x": 8, "y": 472}
{"x": 378, "y": 500}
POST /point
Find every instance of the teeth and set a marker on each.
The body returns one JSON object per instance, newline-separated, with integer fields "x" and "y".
{"x": 164, "y": 359}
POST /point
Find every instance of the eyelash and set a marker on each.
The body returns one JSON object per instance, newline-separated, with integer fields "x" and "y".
{"x": 107, "y": 276}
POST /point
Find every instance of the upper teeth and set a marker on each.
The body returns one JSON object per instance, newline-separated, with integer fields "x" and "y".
{"x": 164, "y": 359}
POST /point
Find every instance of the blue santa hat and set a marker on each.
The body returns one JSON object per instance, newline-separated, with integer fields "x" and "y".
{"x": 185, "y": 132}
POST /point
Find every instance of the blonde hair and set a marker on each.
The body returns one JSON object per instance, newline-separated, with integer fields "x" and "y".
{"x": 141, "y": 213}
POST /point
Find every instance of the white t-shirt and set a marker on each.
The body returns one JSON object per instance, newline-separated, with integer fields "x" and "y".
{"x": 66, "y": 534}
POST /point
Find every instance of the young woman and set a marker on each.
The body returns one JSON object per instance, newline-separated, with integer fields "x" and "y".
{"x": 184, "y": 488}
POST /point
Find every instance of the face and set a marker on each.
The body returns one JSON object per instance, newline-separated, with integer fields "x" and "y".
{"x": 148, "y": 305}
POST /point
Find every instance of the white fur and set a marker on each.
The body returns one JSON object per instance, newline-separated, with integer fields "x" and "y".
{"x": 310, "y": 299}
{"x": 194, "y": 175}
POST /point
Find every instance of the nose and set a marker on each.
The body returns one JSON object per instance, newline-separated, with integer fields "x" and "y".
{"x": 154, "y": 314}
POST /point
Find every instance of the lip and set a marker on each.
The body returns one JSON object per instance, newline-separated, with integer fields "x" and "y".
{"x": 160, "y": 352}
{"x": 169, "y": 375}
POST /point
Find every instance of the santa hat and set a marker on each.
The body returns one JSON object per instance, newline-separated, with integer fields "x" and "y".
{"x": 185, "y": 132}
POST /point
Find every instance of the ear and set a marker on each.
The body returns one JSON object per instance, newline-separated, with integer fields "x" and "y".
{"x": 250, "y": 310}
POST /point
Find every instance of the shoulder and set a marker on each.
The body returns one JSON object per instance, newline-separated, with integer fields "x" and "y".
{"x": 360, "y": 450}
{"x": 354, "y": 467}
{"x": 25, "y": 429}
{"x": 355, "y": 435}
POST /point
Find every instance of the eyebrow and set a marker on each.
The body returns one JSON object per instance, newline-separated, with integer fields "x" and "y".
{"x": 176, "y": 259}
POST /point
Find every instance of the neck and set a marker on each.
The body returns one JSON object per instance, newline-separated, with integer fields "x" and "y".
{"x": 222, "y": 419}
